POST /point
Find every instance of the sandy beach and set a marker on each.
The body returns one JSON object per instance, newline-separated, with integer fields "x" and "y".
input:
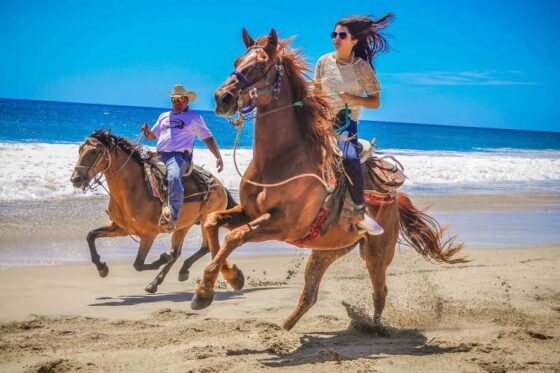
{"x": 498, "y": 313}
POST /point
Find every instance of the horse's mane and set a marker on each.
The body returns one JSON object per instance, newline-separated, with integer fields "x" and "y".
{"x": 315, "y": 114}
{"x": 136, "y": 151}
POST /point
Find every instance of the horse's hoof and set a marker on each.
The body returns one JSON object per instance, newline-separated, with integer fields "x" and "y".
{"x": 183, "y": 276}
{"x": 380, "y": 328}
{"x": 166, "y": 258}
{"x": 238, "y": 281}
{"x": 151, "y": 288}
{"x": 104, "y": 271}
{"x": 199, "y": 303}
{"x": 288, "y": 325}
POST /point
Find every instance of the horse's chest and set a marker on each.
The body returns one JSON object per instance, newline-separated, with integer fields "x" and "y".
{"x": 257, "y": 203}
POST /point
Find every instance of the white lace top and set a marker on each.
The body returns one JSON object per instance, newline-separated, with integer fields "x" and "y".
{"x": 356, "y": 77}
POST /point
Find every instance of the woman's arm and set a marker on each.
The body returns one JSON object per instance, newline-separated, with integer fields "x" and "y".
{"x": 370, "y": 101}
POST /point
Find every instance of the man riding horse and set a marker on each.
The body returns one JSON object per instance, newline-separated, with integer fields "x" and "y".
{"x": 175, "y": 131}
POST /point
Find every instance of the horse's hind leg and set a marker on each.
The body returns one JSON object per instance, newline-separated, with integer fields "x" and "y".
{"x": 378, "y": 255}
{"x": 109, "y": 230}
{"x": 184, "y": 272}
{"x": 176, "y": 244}
{"x": 317, "y": 264}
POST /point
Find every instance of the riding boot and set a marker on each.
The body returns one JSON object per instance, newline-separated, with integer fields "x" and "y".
{"x": 367, "y": 223}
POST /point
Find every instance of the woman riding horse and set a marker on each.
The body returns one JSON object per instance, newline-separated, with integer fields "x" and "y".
{"x": 283, "y": 190}
{"x": 345, "y": 76}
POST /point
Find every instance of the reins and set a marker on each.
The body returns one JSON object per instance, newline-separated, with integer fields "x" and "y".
{"x": 248, "y": 113}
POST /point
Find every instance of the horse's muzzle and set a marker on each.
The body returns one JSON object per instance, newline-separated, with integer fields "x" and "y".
{"x": 226, "y": 103}
{"x": 78, "y": 181}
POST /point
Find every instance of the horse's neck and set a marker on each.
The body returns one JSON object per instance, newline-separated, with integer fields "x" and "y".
{"x": 276, "y": 132}
{"x": 122, "y": 174}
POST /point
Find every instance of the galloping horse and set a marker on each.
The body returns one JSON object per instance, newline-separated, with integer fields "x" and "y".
{"x": 133, "y": 210}
{"x": 293, "y": 136}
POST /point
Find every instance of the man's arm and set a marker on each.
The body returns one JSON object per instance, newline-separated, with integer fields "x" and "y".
{"x": 211, "y": 144}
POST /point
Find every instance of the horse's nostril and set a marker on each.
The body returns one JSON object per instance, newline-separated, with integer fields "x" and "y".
{"x": 227, "y": 98}
{"x": 76, "y": 179}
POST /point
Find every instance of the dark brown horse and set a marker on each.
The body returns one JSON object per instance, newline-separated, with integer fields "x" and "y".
{"x": 133, "y": 210}
{"x": 293, "y": 136}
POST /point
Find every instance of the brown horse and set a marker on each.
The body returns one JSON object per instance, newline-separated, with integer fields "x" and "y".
{"x": 293, "y": 136}
{"x": 133, "y": 210}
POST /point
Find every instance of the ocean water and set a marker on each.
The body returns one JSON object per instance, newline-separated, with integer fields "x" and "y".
{"x": 39, "y": 147}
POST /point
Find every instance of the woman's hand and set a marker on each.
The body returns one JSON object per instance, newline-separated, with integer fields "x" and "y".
{"x": 349, "y": 99}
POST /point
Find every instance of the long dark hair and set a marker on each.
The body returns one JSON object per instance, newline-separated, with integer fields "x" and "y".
{"x": 368, "y": 32}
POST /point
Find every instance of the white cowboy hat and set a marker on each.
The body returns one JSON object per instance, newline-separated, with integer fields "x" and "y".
{"x": 180, "y": 91}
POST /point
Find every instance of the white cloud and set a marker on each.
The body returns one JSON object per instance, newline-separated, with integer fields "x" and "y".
{"x": 460, "y": 78}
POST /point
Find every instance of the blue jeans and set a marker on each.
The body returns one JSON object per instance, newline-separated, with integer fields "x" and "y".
{"x": 176, "y": 163}
{"x": 351, "y": 161}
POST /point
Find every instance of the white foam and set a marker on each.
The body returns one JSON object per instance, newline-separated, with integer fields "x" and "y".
{"x": 30, "y": 171}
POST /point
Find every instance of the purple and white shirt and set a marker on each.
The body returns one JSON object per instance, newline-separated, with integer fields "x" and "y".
{"x": 176, "y": 131}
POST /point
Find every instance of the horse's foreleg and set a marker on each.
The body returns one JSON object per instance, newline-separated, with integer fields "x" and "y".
{"x": 265, "y": 227}
{"x": 176, "y": 244}
{"x": 315, "y": 268}
{"x": 230, "y": 219}
{"x": 143, "y": 250}
{"x": 109, "y": 230}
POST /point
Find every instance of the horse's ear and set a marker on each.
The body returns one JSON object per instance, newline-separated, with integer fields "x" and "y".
{"x": 272, "y": 42}
{"x": 247, "y": 39}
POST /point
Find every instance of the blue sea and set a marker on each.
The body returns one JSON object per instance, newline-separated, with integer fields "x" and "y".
{"x": 39, "y": 148}
{"x": 29, "y": 121}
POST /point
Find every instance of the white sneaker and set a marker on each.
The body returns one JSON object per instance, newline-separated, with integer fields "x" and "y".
{"x": 370, "y": 226}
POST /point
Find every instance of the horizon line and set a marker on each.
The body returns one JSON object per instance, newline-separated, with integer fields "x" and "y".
{"x": 211, "y": 111}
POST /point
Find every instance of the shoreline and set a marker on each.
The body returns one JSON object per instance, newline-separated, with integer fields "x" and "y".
{"x": 54, "y": 231}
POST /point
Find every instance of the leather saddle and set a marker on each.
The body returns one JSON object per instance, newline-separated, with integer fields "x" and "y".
{"x": 197, "y": 181}
{"x": 381, "y": 173}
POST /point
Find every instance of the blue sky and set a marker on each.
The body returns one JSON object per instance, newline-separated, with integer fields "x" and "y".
{"x": 471, "y": 63}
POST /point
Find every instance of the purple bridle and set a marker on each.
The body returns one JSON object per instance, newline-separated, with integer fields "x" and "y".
{"x": 254, "y": 92}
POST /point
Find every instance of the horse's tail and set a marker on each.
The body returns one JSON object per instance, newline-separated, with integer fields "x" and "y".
{"x": 424, "y": 234}
{"x": 231, "y": 203}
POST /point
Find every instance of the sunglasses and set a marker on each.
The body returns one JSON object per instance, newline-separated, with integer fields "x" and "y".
{"x": 178, "y": 99}
{"x": 341, "y": 35}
